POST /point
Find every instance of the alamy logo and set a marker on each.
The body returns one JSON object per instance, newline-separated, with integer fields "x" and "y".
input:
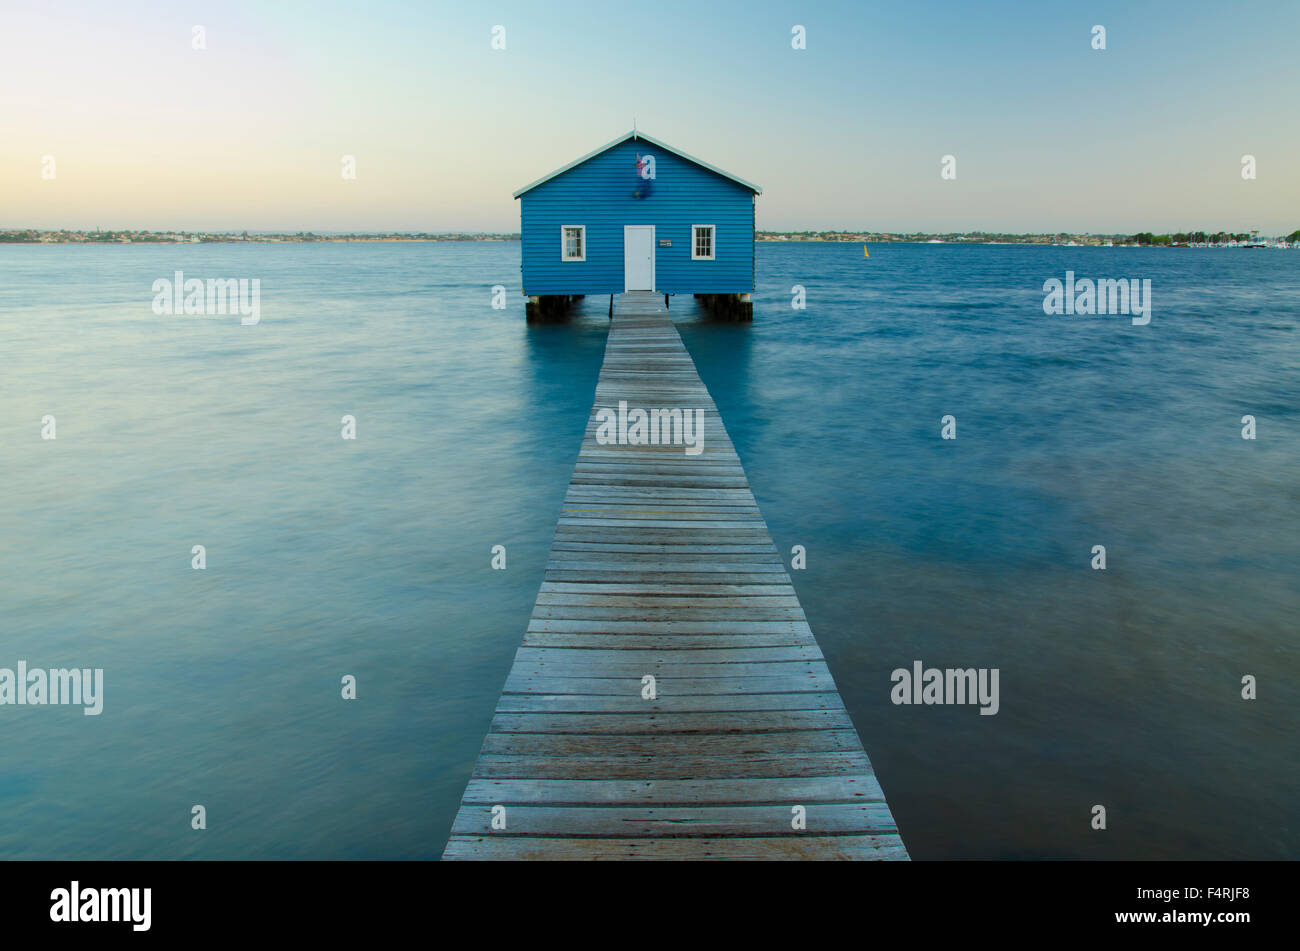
{"x": 952, "y": 685}
{"x": 216, "y": 296}
{"x": 1103, "y": 296}
{"x": 103, "y": 904}
{"x": 57, "y": 686}
{"x": 656, "y": 427}
{"x": 645, "y": 176}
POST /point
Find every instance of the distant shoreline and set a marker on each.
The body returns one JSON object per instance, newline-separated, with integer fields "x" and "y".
{"x": 126, "y": 236}
{"x": 1143, "y": 239}
{"x": 1059, "y": 239}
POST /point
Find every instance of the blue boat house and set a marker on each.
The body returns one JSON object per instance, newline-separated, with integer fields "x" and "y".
{"x": 638, "y": 215}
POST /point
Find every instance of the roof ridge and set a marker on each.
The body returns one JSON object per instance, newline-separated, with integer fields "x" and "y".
{"x": 639, "y": 135}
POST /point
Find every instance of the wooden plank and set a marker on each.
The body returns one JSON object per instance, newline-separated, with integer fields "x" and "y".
{"x": 759, "y": 559}
{"x": 660, "y": 493}
{"x": 566, "y": 626}
{"x": 662, "y": 565}
{"x": 657, "y": 641}
{"x": 681, "y": 703}
{"x": 591, "y": 595}
{"x": 807, "y": 678}
{"x": 668, "y": 613}
{"x": 614, "y": 659}
{"x": 675, "y": 821}
{"x": 668, "y": 669}
{"x": 751, "y": 766}
{"x": 703, "y": 589}
{"x": 652, "y": 723}
{"x": 617, "y": 575}
{"x": 660, "y": 549}
{"x": 676, "y": 791}
{"x": 564, "y": 744}
{"x": 525, "y": 682}
{"x": 793, "y": 846}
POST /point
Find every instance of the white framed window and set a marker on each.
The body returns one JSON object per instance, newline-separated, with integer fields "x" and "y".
{"x": 702, "y": 242}
{"x": 573, "y": 242}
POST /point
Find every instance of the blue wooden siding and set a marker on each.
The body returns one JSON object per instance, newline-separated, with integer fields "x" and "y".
{"x": 599, "y": 194}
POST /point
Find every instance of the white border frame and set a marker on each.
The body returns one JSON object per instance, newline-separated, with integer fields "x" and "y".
{"x": 583, "y": 229}
{"x": 654, "y": 254}
{"x": 712, "y": 244}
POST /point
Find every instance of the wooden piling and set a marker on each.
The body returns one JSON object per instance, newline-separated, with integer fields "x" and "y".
{"x": 736, "y": 307}
{"x": 549, "y": 308}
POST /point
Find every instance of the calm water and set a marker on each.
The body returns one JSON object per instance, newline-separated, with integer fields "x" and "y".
{"x": 371, "y": 558}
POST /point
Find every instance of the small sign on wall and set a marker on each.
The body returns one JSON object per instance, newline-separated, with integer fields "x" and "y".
{"x": 665, "y": 242}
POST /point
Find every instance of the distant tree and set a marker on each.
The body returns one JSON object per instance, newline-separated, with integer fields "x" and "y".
{"x": 1294, "y": 235}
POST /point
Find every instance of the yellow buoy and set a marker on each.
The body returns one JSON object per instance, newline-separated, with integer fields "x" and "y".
{"x": 864, "y": 252}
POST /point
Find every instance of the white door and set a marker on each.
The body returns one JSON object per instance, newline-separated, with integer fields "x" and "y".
{"x": 638, "y": 257}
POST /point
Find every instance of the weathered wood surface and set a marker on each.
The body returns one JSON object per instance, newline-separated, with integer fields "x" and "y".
{"x": 663, "y": 566}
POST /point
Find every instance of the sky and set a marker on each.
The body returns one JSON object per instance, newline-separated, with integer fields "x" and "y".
{"x": 142, "y": 130}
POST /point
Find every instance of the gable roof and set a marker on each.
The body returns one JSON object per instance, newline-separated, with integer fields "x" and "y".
{"x": 634, "y": 134}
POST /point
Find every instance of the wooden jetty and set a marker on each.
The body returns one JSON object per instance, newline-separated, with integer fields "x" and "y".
{"x": 662, "y": 566}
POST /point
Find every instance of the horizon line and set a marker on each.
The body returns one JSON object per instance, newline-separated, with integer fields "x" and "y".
{"x": 271, "y": 232}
